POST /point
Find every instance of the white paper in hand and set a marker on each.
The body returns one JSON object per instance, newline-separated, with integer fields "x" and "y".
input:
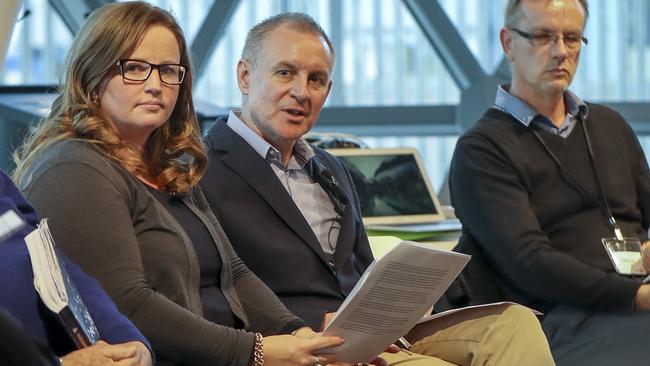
{"x": 390, "y": 298}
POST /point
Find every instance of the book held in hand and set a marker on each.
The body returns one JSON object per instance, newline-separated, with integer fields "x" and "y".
{"x": 56, "y": 289}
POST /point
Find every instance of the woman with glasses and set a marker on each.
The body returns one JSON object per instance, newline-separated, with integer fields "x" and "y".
{"x": 115, "y": 166}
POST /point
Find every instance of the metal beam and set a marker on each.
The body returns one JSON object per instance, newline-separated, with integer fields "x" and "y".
{"x": 74, "y": 12}
{"x": 450, "y": 129}
{"x": 446, "y": 41}
{"x": 25, "y": 104}
{"x": 386, "y": 116}
{"x": 636, "y": 113}
{"x": 389, "y": 121}
{"x": 213, "y": 28}
{"x": 410, "y": 120}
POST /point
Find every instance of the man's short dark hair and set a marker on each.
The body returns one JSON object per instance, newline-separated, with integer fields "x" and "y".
{"x": 299, "y": 22}
{"x": 512, "y": 12}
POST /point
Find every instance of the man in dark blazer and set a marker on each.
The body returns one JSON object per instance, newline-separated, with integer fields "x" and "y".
{"x": 291, "y": 211}
{"x": 271, "y": 234}
{"x": 244, "y": 181}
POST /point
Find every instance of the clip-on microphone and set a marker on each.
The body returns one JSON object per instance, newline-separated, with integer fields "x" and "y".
{"x": 328, "y": 182}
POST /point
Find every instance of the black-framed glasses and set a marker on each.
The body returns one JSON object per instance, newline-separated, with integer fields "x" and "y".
{"x": 541, "y": 39}
{"x": 138, "y": 70}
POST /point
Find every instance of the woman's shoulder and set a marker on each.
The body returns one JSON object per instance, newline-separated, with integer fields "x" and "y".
{"x": 73, "y": 155}
{"x": 72, "y": 151}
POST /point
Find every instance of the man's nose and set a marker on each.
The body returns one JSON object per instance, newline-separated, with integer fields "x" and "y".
{"x": 559, "y": 47}
{"x": 300, "y": 89}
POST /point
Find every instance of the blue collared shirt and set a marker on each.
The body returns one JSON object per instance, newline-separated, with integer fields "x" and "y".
{"x": 311, "y": 199}
{"x": 526, "y": 114}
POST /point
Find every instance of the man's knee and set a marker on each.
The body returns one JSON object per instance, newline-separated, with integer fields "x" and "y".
{"x": 519, "y": 317}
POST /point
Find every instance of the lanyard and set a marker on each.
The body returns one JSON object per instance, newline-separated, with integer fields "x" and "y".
{"x": 602, "y": 202}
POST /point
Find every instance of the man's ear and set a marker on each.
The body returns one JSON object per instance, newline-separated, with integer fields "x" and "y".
{"x": 243, "y": 75}
{"x": 506, "y": 43}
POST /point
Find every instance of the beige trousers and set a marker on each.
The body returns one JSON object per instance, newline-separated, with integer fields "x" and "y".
{"x": 500, "y": 335}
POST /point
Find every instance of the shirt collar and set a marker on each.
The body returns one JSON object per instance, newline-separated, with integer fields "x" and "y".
{"x": 575, "y": 106}
{"x": 525, "y": 113}
{"x": 302, "y": 152}
{"x": 256, "y": 141}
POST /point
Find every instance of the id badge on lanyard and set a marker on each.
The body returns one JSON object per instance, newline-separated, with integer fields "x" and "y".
{"x": 625, "y": 254}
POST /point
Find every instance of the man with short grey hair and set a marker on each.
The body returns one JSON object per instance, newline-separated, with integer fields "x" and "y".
{"x": 299, "y": 22}
{"x": 541, "y": 180}
{"x": 291, "y": 211}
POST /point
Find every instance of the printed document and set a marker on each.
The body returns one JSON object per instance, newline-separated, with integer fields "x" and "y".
{"x": 424, "y": 326}
{"x": 391, "y": 297}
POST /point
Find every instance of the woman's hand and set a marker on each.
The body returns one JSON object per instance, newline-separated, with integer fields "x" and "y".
{"x": 103, "y": 354}
{"x": 308, "y": 333}
{"x": 288, "y": 350}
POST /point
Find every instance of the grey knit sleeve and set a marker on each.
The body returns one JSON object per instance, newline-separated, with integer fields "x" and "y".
{"x": 91, "y": 211}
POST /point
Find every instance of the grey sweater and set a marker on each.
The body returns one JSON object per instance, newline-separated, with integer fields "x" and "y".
{"x": 107, "y": 222}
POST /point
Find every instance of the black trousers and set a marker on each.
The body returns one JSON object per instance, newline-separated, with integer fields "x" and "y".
{"x": 579, "y": 337}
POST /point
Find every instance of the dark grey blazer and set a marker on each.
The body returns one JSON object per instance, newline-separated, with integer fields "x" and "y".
{"x": 271, "y": 235}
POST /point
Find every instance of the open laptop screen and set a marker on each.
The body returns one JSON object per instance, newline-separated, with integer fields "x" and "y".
{"x": 392, "y": 185}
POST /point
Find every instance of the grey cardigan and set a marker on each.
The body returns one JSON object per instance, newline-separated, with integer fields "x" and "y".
{"x": 106, "y": 221}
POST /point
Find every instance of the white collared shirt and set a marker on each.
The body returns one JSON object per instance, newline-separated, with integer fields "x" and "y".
{"x": 310, "y": 198}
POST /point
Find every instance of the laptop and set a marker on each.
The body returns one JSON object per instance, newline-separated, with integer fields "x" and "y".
{"x": 394, "y": 190}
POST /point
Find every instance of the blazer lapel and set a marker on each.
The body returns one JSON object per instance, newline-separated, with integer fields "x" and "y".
{"x": 346, "y": 239}
{"x": 246, "y": 162}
